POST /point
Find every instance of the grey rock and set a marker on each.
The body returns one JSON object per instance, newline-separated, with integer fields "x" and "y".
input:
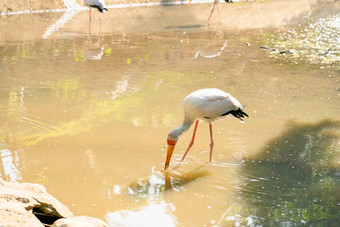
{"x": 20, "y": 203}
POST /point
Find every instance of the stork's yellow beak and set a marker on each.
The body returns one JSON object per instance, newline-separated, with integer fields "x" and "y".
{"x": 189, "y": 2}
{"x": 171, "y": 147}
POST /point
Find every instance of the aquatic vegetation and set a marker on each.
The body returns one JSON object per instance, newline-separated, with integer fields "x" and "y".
{"x": 317, "y": 42}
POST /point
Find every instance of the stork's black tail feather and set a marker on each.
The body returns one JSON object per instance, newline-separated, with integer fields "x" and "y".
{"x": 236, "y": 113}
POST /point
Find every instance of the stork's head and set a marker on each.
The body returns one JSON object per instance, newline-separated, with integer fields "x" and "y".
{"x": 173, "y": 137}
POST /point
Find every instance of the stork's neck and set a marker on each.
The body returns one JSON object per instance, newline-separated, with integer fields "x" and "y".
{"x": 177, "y": 132}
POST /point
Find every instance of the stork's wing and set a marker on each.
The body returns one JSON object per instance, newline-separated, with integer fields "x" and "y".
{"x": 211, "y": 103}
{"x": 209, "y": 106}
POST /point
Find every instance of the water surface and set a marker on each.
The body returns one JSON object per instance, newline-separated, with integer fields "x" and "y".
{"x": 88, "y": 117}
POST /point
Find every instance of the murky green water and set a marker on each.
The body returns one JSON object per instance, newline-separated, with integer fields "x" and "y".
{"x": 88, "y": 119}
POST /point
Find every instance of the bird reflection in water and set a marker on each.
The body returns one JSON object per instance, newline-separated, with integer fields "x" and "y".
{"x": 212, "y": 49}
{"x": 161, "y": 181}
{"x": 93, "y": 51}
{"x": 175, "y": 179}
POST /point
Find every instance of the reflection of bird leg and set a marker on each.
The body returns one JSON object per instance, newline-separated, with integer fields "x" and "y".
{"x": 100, "y": 25}
{"x": 98, "y": 40}
{"x": 211, "y": 143}
{"x": 197, "y": 54}
{"x": 188, "y": 45}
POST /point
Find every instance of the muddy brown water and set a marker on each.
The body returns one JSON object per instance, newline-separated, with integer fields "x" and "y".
{"x": 88, "y": 118}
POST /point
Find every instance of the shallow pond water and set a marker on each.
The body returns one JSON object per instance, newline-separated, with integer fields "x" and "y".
{"x": 88, "y": 117}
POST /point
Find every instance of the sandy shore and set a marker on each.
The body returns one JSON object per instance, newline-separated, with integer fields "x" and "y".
{"x": 22, "y": 5}
{"x": 9, "y": 6}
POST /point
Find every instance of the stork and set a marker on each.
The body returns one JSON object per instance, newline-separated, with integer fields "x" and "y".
{"x": 208, "y": 105}
{"x": 97, "y": 4}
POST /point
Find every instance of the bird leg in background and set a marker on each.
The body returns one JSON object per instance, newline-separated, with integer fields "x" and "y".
{"x": 192, "y": 141}
{"x": 90, "y": 26}
{"x": 211, "y": 142}
{"x": 212, "y": 10}
{"x": 100, "y": 26}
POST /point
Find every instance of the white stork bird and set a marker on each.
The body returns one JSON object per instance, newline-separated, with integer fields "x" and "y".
{"x": 97, "y": 4}
{"x": 208, "y": 105}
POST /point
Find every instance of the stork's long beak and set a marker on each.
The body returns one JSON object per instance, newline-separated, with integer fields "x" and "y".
{"x": 189, "y": 2}
{"x": 171, "y": 147}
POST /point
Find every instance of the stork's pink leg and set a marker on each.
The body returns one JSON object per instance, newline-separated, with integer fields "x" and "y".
{"x": 192, "y": 140}
{"x": 211, "y": 142}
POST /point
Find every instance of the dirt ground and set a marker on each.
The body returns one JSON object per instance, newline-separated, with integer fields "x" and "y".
{"x": 21, "y": 5}
{"x": 7, "y": 6}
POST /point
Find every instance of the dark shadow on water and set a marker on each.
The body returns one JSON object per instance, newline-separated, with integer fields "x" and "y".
{"x": 190, "y": 26}
{"x": 294, "y": 181}
{"x": 168, "y": 2}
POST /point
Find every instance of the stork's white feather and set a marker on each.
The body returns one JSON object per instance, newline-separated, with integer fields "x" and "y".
{"x": 206, "y": 104}
{"x": 91, "y": 3}
{"x": 209, "y": 104}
